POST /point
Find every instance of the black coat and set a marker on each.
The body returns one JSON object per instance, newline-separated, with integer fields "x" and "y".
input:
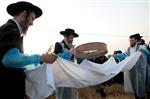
{"x": 12, "y": 80}
{"x": 60, "y": 46}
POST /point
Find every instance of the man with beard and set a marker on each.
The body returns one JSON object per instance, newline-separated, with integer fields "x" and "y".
{"x": 13, "y": 61}
{"x": 135, "y": 79}
{"x": 63, "y": 49}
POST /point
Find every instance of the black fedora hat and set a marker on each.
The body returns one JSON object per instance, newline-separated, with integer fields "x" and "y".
{"x": 138, "y": 36}
{"x": 15, "y": 8}
{"x": 69, "y": 31}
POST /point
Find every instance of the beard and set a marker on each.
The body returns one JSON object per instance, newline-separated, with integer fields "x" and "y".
{"x": 24, "y": 25}
{"x": 133, "y": 45}
{"x": 70, "y": 42}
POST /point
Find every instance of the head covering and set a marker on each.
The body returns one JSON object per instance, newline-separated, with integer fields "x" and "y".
{"x": 69, "y": 32}
{"x": 138, "y": 36}
{"x": 16, "y": 8}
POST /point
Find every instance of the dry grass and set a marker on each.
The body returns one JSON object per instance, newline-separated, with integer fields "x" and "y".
{"x": 113, "y": 92}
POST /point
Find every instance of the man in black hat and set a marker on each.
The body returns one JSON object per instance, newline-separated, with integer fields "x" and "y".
{"x": 69, "y": 35}
{"x": 13, "y": 61}
{"x": 138, "y": 38}
{"x": 63, "y": 50}
{"x": 135, "y": 79}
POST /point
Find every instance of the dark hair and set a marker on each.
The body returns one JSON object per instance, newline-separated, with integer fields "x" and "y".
{"x": 132, "y": 36}
{"x": 28, "y": 13}
{"x": 137, "y": 36}
{"x": 117, "y": 52}
{"x": 142, "y": 41}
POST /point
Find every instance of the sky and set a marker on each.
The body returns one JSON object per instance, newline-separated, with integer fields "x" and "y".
{"x": 108, "y": 21}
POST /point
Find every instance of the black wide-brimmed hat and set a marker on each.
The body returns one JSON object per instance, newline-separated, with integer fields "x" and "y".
{"x": 138, "y": 36}
{"x": 69, "y": 32}
{"x": 15, "y": 8}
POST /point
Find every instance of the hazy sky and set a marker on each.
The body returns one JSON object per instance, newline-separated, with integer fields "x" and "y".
{"x": 109, "y": 21}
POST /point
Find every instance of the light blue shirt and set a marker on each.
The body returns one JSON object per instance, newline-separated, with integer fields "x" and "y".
{"x": 123, "y": 55}
{"x": 120, "y": 56}
{"x": 65, "y": 54}
{"x": 15, "y": 59}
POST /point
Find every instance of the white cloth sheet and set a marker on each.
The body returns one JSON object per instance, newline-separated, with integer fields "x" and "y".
{"x": 41, "y": 81}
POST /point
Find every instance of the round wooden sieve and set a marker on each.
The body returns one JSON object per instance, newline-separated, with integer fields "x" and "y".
{"x": 91, "y": 50}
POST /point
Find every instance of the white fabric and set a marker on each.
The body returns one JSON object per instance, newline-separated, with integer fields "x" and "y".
{"x": 39, "y": 82}
{"x": 69, "y": 74}
{"x": 133, "y": 49}
{"x": 127, "y": 82}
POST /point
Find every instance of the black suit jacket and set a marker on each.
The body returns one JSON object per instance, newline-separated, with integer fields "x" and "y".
{"x": 12, "y": 80}
{"x": 10, "y": 37}
{"x": 59, "y": 48}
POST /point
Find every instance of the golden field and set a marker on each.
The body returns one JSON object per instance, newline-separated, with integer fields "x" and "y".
{"x": 114, "y": 91}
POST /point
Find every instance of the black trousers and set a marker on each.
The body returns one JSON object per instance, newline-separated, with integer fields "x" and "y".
{"x": 12, "y": 84}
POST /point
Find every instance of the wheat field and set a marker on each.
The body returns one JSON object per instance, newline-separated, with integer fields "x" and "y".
{"x": 114, "y": 91}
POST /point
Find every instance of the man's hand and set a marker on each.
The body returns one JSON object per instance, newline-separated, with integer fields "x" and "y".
{"x": 49, "y": 58}
{"x": 73, "y": 52}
